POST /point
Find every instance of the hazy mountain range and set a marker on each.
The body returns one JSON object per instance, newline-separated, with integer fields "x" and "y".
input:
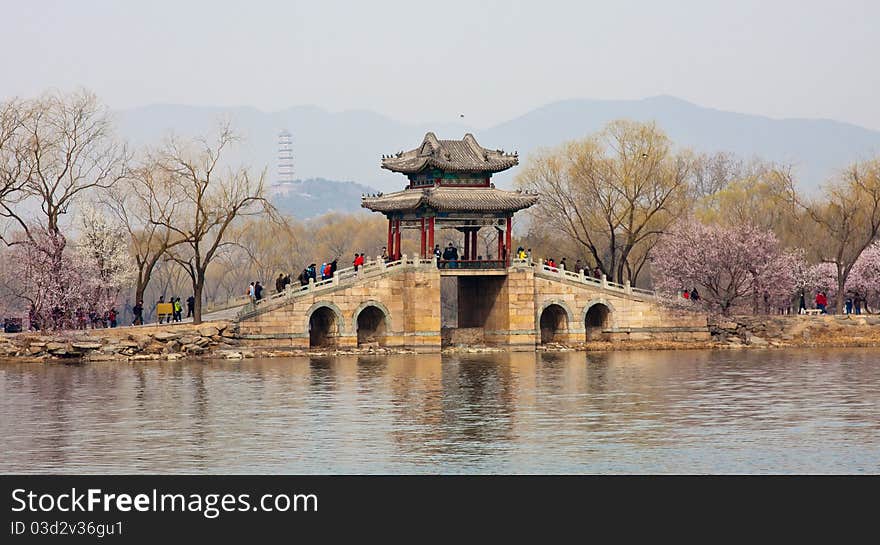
{"x": 349, "y": 145}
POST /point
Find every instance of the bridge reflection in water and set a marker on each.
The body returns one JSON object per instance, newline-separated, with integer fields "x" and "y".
{"x": 621, "y": 412}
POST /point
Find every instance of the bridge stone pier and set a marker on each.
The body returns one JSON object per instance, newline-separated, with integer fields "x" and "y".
{"x": 398, "y": 304}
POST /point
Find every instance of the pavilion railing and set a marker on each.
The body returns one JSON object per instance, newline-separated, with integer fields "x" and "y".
{"x": 449, "y": 264}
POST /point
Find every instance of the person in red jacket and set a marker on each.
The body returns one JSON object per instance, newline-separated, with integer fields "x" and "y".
{"x": 821, "y": 302}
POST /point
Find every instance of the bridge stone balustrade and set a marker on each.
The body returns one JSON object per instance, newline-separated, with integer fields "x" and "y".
{"x": 399, "y": 305}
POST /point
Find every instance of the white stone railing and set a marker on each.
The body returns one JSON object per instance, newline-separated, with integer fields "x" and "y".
{"x": 342, "y": 277}
{"x": 378, "y": 267}
{"x": 581, "y": 278}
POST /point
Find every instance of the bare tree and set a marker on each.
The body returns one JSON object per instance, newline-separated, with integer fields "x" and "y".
{"x": 145, "y": 204}
{"x": 212, "y": 197}
{"x": 13, "y": 159}
{"x": 66, "y": 148}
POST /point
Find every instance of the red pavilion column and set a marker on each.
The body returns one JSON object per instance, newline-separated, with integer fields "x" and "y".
{"x": 423, "y": 239}
{"x": 474, "y": 247}
{"x": 397, "y": 254}
{"x": 467, "y": 246}
{"x": 431, "y": 234}
{"x": 508, "y": 237}
{"x": 390, "y": 246}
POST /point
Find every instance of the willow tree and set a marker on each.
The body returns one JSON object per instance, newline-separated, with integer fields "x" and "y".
{"x": 210, "y": 196}
{"x": 841, "y": 223}
{"x": 759, "y": 199}
{"x": 613, "y": 193}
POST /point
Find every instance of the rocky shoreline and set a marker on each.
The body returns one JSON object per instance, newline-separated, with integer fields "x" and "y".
{"x": 218, "y": 340}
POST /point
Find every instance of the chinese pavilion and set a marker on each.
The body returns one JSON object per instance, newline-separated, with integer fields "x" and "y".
{"x": 450, "y": 188}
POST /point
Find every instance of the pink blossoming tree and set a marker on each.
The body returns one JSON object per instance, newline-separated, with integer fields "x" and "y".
{"x": 739, "y": 268}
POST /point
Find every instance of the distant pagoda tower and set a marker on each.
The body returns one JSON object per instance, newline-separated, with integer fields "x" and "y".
{"x": 285, "y": 157}
{"x": 450, "y": 188}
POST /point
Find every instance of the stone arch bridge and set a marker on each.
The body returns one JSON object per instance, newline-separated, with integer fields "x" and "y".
{"x": 402, "y": 304}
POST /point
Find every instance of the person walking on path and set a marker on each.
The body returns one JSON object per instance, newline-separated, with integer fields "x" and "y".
{"x": 258, "y": 291}
{"x": 138, "y": 311}
{"x": 821, "y": 302}
{"x": 279, "y": 283}
{"x": 190, "y": 306}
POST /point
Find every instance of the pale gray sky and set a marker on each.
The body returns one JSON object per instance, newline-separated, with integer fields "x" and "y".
{"x": 432, "y": 60}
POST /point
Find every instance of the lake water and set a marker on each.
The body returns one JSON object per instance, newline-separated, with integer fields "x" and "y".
{"x": 800, "y": 411}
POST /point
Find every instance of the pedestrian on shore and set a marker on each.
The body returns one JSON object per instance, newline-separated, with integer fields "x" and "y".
{"x": 857, "y": 303}
{"x": 385, "y": 256}
{"x": 258, "y": 291}
{"x": 138, "y": 311}
{"x": 80, "y": 318}
{"x": 848, "y": 306}
{"x": 279, "y": 283}
{"x": 252, "y": 292}
{"x": 695, "y": 295}
{"x": 802, "y": 303}
{"x": 112, "y": 316}
{"x": 821, "y": 302}
{"x": 190, "y": 306}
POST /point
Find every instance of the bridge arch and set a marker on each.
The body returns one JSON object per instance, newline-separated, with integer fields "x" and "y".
{"x": 371, "y": 321}
{"x": 598, "y": 316}
{"x": 554, "y": 319}
{"x": 325, "y": 324}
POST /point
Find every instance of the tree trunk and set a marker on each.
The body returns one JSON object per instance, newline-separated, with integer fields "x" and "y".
{"x": 198, "y": 285}
{"x": 139, "y": 291}
{"x": 841, "y": 282}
